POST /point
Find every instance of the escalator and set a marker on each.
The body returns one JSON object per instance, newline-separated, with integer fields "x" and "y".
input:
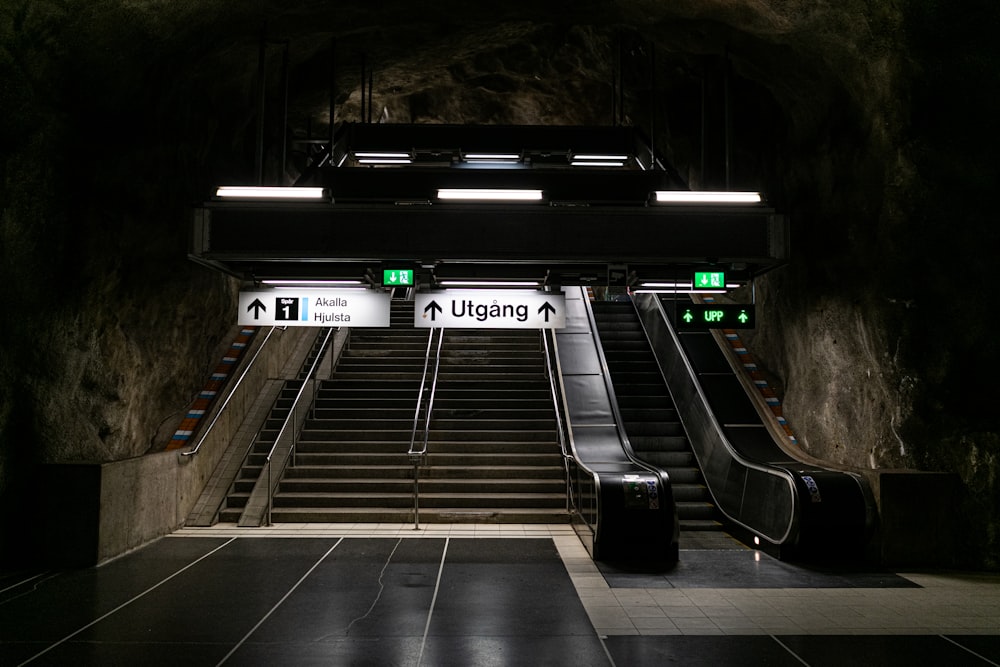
{"x": 795, "y": 508}
{"x": 648, "y": 413}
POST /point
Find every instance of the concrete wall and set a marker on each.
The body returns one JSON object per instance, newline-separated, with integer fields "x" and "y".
{"x": 90, "y": 513}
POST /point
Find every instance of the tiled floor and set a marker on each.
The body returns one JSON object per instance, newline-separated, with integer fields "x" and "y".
{"x": 760, "y": 595}
{"x": 723, "y": 604}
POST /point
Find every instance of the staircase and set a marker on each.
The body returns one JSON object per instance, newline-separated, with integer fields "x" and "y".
{"x": 650, "y": 418}
{"x": 251, "y": 469}
{"x": 493, "y": 453}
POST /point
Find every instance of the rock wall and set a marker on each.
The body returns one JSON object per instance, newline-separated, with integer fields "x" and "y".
{"x": 865, "y": 122}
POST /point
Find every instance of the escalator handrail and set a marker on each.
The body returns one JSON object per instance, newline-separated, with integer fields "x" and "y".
{"x": 609, "y": 385}
{"x": 218, "y": 414}
{"x": 552, "y": 370}
{"x": 735, "y": 455}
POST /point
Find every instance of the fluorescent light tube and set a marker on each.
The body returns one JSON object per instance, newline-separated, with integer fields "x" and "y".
{"x": 385, "y": 160}
{"x": 673, "y": 285}
{"x": 605, "y": 158}
{"x": 489, "y": 283}
{"x": 381, "y": 154}
{"x": 646, "y": 290}
{"x": 261, "y": 192}
{"x": 489, "y": 194}
{"x": 492, "y": 156}
{"x": 313, "y": 283}
{"x": 595, "y": 163}
{"x": 691, "y": 197}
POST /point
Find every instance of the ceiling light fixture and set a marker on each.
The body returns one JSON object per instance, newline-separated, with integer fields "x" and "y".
{"x": 692, "y": 197}
{"x": 381, "y": 154}
{"x": 505, "y": 157}
{"x": 310, "y": 283}
{"x": 674, "y": 285}
{"x": 645, "y": 290}
{"x": 600, "y": 157}
{"x": 488, "y": 194}
{"x": 385, "y": 160}
{"x": 490, "y": 283}
{"x": 595, "y": 163}
{"x": 263, "y": 192}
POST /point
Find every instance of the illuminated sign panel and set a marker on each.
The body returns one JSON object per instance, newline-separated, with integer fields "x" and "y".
{"x": 709, "y": 280}
{"x": 314, "y": 307}
{"x": 397, "y": 277}
{"x": 716, "y": 316}
{"x": 490, "y": 309}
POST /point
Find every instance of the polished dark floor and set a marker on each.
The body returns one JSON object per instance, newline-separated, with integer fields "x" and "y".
{"x": 389, "y": 601}
{"x": 747, "y": 568}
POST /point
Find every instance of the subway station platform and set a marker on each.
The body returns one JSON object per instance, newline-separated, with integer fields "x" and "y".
{"x": 462, "y": 594}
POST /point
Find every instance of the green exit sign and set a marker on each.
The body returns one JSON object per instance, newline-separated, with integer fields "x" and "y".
{"x": 397, "y": 277}
{"x": 716, "y": 316}
{"x": 709, "y": 280}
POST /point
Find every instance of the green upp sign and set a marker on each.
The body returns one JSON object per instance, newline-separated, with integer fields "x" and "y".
{"x": 709, "y": 280}
{"x": 716, "y": 316}
{"x": 397, "y": 277}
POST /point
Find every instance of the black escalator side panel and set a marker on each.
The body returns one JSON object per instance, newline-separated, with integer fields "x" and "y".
{"x": 703, "y": 353}
{"x": 728, "y": 399}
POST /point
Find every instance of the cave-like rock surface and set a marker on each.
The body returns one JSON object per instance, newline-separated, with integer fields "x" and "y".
{"x": 868, "y": 123}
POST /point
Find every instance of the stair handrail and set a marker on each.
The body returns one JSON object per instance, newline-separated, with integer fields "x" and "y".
{"x": 232, "y": 391}
{"x": 333, "y": 365}
{"x": 291, "y": 419}
{"x": 420, "y": 395}
{"x": 417, "y": 456}
{"x": 567, "y": 457}
{"x": 430, "y": 400}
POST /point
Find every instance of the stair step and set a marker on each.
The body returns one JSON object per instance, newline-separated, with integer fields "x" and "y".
{"x": 429, "y": 500}
{"x": 699, "y": 525}
{"x": 365, "y": 457}
{"x": 427, "y": 515}
{"x": 648, "y": 412}
{"x": 493, "y": 436}
{"x": 493, "y": 449}
{"x": 399, "y": 447}
{"x": 679, "y": 475}
{"x": 405, "y": 471}
{"x": 375, "y": 488}
{"x": 695, "y": 510}
{"x": 691, "y": 493}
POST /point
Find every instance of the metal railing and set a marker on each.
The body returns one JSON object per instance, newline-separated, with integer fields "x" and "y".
{"x": 309, "y": 380}
{"x": 232, "y": 391}
{"x": 416, "y": 455}
{"x": 567, "y": 458}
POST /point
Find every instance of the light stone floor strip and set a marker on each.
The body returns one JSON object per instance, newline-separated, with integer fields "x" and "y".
{"x": 945, "y": 603}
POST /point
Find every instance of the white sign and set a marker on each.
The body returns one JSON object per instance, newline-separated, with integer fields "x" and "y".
{"x": 490, "y": 309}
{"x": 314, "y": 307}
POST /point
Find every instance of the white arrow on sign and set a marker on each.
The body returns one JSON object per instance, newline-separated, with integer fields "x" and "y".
{"x": 490, "y": 309}
{"x": 314, "y": 307}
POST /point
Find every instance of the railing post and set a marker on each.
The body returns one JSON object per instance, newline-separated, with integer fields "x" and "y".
{"x": 269, "y": 495}
{"x": 416, "y": 495}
